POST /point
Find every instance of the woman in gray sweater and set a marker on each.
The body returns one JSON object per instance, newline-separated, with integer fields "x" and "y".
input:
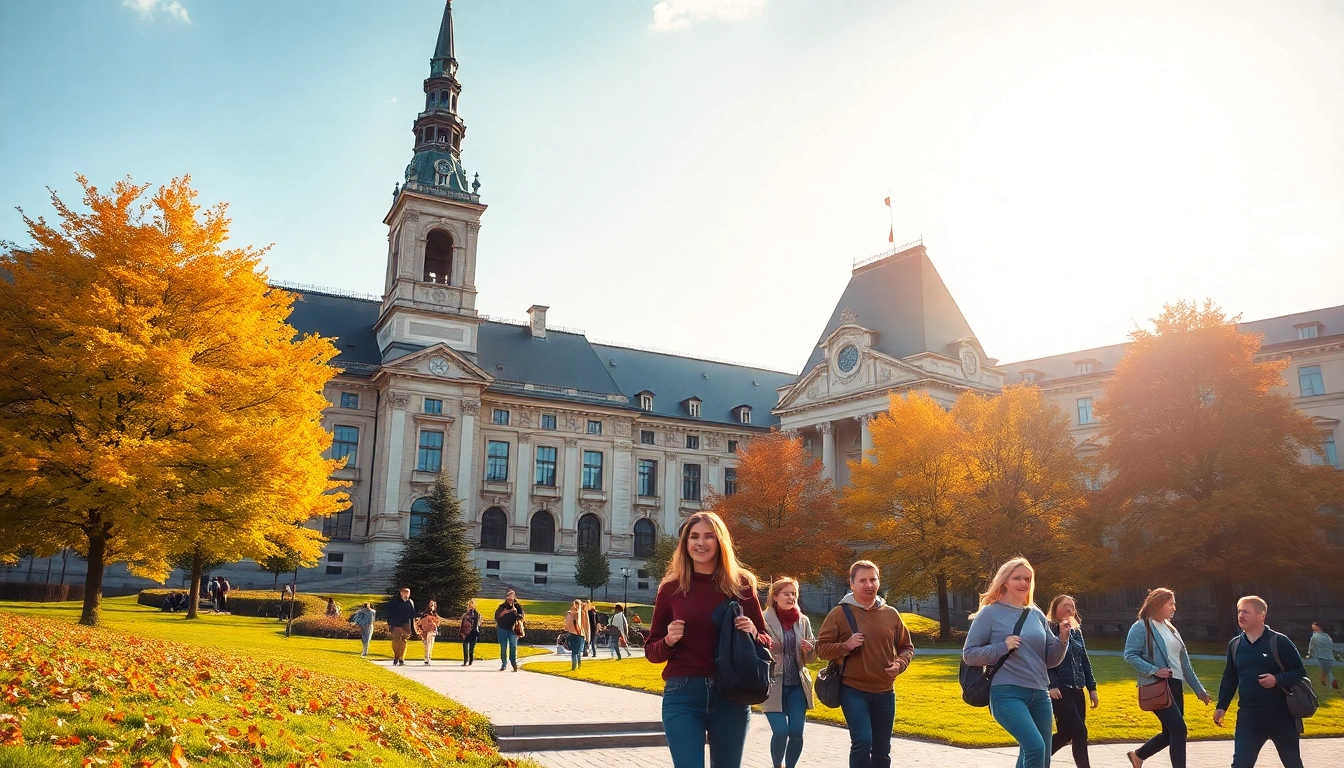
{"x": 1018, "y": 694}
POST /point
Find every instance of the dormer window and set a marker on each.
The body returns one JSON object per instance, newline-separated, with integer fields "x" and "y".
{"x": 1087, "y": 366}
{"x": 692, "y": 407}
{"x": 1310, "y": 330}
{"x": 645, "y": 400}
{"x": 1030, "y": 376}
{"x": 743, "y": 414}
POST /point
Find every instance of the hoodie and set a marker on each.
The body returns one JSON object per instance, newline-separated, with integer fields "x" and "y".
{"x": 885, "y": 640}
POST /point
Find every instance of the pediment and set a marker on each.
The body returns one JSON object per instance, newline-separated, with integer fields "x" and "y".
{"x": 441, "y": 362}
{"x": 826, "y": 381}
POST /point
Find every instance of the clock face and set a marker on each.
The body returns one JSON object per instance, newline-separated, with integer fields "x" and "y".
{"x": 438, "y": 366}
{"x": 848, "y": 359}
{"x": 443, "y": 166}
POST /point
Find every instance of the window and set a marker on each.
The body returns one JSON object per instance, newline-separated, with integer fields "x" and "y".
{"x": 542, "y": 538}
{"x": 594, "y": 427}
{"x": 350, "y": 400}
{"x": 646, "y": 437}
{"x": 438, "y": 257}
{"x": 496, "y": 461}
{"x": 1085, "y": 367}
{"x": 744, "y": 415}
{"x": 1309, "y": 379}
{"x": 345, "y": 444}
{"x": 430, "y": 457}
{"x": 433, "y": 406}
{"x": 499, "y": 416}
{"x": 334, "y": 570}
{"x": 693, "y": 442}
{"x": 732, "y": 446}
{"x": 548, "y": 421}
{"x": 690, "y": 482}
{"x": 590, "y": 532}
{"x": 336, "y": 557}
{"x": 494, "y": 523}
{"x": 1084, "y": 410}
{"x": 729, "y": 481}
{"x": 1308, "y": 331}
{"x": 642, "y": 573}
{"x": 648, "y": 477}
{"x": 538, "y": 579}
{"x": 645, "y": 533}
{"x": 545, "y": 474}
{"x": 1331, "y": 453}
{"x": 492, "y": 565}
{"x": 1030, "y": 377}
{"x": 338, "y": 526}
{"x": 420, "y": 514}
{"x": 646, "y": 402}
{"x": 592, "y": 470}
{"x": 693, "y": 406}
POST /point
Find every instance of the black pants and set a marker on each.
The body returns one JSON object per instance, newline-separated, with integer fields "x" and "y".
{"x": 1173, "y": 729}
{"x": 1254, "y": 729}
{"x": 1071, "y": 724}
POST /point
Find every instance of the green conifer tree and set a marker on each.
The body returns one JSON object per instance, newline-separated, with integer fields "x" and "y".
{"x": 663, "y": 549}
{"x": 436, "y": 563}
{"x": 592, "y": 569}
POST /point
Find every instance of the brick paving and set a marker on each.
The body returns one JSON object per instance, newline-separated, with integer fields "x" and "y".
{"x": 518, "y": 698}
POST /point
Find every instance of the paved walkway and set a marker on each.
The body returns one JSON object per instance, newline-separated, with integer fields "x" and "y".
{"x": 519, "y": 698}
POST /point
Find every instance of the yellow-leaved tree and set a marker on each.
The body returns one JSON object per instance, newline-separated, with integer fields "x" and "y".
{"x": 151, "y": 392}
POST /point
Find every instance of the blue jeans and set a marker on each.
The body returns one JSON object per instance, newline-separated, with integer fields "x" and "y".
{"x": 869, "y": 717}
{"x": 468, "y": 651}
{"x": 615, "y": 641}
{"x": 508, "y": 647}
{"x": 365, "y": 635}
{"x": 692, "y": 709}
{"x": 786, "y": 727}
{"x": 1026, "y": 715}
{"x": 576, "y": 645}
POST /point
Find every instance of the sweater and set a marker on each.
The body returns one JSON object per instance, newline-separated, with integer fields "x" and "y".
{"x": 1321, "y": 647}
{"x": 885, "y": 641}
{"x": 400, "y": 612}
{"x": 1253, "y": 659}
{"x": 693, "y": 655}
{"x": 987, "y": 639}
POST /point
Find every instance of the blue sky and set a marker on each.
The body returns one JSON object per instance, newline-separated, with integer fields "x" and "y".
{"x": 699, "y": 175}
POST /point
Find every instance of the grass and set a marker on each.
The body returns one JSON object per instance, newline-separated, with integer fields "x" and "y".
{"x": 929, "y": 706}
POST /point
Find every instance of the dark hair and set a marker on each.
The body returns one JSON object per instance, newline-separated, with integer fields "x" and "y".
{"x": 619, "y": 608}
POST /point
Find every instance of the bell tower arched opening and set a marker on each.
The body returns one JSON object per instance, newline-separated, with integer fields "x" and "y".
{"x": 438, "y": 257}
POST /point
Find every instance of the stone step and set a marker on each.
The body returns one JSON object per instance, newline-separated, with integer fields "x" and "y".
{"x": 543, "y": 729}
{"x": 581, "y": 737}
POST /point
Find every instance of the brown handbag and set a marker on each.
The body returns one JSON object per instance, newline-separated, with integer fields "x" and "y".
{"x": 1154, "y": 696}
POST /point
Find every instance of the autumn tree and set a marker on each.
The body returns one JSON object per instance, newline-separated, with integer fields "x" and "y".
{"x": 436, "y": 563}
{"x": 1206, "y": 485}
{"x": 195, "y": 562}
{"x": 784, "y": 516}
{"x": 151, "y": 389}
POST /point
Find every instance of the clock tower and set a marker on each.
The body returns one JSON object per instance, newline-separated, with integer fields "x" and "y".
{"x": 429, "y": 295}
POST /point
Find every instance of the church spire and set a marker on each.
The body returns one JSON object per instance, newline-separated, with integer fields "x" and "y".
{"x": 436, "y": 167}
{"x": 443, "y": 60}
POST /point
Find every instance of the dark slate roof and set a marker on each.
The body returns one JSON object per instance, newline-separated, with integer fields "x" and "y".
{"x": 903, "y": 299}
{"x": 350, "y": 320}
{"x": 672, "y": 379}
{"x": 559, "y": 360}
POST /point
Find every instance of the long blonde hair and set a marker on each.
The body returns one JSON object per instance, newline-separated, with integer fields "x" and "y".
{"x": 730, "y": 576}
{"x": 779, "y": 584}
{"x": 998, "y": 586}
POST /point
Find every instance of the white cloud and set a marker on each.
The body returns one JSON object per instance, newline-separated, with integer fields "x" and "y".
{"x": 146, "y": 8}
{"x": 678, "y": 14}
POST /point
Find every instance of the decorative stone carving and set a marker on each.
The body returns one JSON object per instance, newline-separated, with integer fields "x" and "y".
{"x": 824, "y": 427}
{"x": 411, "y": 217}
{"x": 471, "y": 407}
{"x": 625, "y": 446}
{"x": 474, "y": 226}
{"x": 622, "y": 428}
{"x": 849, "y": 317}
{"x": 591, "y": 507}
{"x": 670, "y": 455}
{"x": 525, "y": 417}
{"x": 864, "y": 418}
{"x": 792, "y": 434}
{"x": 571, "y": 442}
{"x": 398, "y": 400}
{"x": 571, "y": 422}
{"x": 814, "y": 392}
{"x": 714, "y": 461}
{"x": 524, "y": 437}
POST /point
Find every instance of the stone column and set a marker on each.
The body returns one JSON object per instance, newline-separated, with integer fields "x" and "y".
{"x": 671, "y": 491}
{"x": 466, "y": 451}
{"x": 866, "y": 435}
{"x": 569, "y": 508}
{"x": 388, "y": 521}
{"x": 712, "y": 477}
{"x": 522, "y": 479}
{"x": 827, "y": 449}
{"x": 621, "y": 491}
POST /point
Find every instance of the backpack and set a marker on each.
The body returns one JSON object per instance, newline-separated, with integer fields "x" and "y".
{"x": 741, "y": 663}
{"x": 1302, "y": 701}
{"x": 975, "y": 681}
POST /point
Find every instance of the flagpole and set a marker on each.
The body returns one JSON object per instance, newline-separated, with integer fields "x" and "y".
{"x": 891, "y": 219}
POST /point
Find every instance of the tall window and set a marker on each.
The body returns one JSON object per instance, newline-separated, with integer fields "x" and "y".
{"x": 744, "y": 415}
{"x": 646, "y": 437}
{"x": 545, "y": 474}
{"x": 496, "y": 461}
{"x": 592, "y": 470}
{"x": 694, "y": 407}
{"x": 1309, "y": 379}
{"x": 430, "y": 457}
{"x": 345, "y": 444}
{"x": 420, "y": 513}
{"x": 648, "y": 477}
{"x": 590, "y": 532}
{"x": 433, "y": 405}
{"x": 494, "y": 523}
{"x": 690, "y": 482}
{"x": 693, "y": 442}
{"x": 350, "y": 400}
{"x": 1331, "y": 456}
{"x": 646, "y": 402}
{"x": 499, "y": 416}
{"x": 729, "y": 481}
{"x": 732, "y": 446}
{"x": 1084, "y": 410}
{"x": 594, "y": 427}
{"x": 548, "y": 421}
{"x": 645, "y": 532}
{"x": 438, "y": 257}
{"x": 338, "y": 526}
{"x": 542, "y": 538}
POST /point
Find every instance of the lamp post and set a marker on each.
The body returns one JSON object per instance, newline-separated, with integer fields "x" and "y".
{"x": 625, "y": 572}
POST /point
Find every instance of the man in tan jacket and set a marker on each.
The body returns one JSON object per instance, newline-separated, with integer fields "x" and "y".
{"x": 874, "y": 656}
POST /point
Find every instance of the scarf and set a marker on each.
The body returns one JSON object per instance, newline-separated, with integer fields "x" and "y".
{"x": 787, "y": 618}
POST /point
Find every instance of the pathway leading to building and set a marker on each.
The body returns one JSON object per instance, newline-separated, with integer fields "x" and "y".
{"x": 528, "y": 698}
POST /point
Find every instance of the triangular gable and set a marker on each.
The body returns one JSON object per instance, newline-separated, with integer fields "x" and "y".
{"x": 459, "y": 366}
{"x": 879, "y": 371}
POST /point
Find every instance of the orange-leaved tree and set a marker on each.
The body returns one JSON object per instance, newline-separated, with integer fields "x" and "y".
{"x": 1206, "y": 484}
{"x": 151, "y": 391}
{"x": 905, "y": 499}
{"x": 784, "y": 516}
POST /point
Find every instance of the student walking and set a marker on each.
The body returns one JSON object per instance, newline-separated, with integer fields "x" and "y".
{"x": 470, "y": 632}
{"x": 793, "y": 647}
{"x": 364, "y": 618}
{"x": 508, "y": 622}
{"x": 703, "y": 575}
{"x": 1009, "y": 624}
{"x": 400, "y": 617}
{"x": 1150, "y": 648}
{"x": 590, "y": 637}
{"x": 428, "y": 627}
{"x": 223, "y": 594}
{"x": 618, "y": 631}
{"x": 1261, "y": 663}
{"x": 576, "y": 629}
{"x": 1067, "y": 682}
{"x": 1322, "y": 649}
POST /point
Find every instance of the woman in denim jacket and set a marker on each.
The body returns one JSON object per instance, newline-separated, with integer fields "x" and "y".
{"x": 1155, "y": 664}
{"x": 1068, "y": 681}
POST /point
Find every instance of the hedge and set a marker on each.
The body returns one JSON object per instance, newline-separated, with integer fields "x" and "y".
{"x": 40, "y": 592}
{"x": 247, "y": 602}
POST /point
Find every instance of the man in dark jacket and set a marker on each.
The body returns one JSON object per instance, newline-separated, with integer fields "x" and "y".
{"x": 1253, "y": 671}
{"x": 400, "y": 618}
{"x": 507, "y": 616}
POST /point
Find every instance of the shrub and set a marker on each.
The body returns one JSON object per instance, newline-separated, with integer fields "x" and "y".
{"x": 40, "y": 592}
{"x": 339, "y": 627}
{"x": 247, "y": 602}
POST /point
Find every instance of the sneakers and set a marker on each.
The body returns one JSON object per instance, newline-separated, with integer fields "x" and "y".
{"x": 515, "y": 667}
{"x": 426, "y": 663}
{"x": 501, "y": 669}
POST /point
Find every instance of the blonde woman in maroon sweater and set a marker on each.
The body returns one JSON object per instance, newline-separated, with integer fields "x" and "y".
{"x": 703, "y": 575}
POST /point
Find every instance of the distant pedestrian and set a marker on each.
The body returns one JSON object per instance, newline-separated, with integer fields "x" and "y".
{"x": 793, "y": 647}
{"x": 212, "y": 593}
{"x": 470, "y": 632}
{"x": 618, "y": 631}
{"x": 1261, "y": 664}
{"x": 400, "y": 617}
{"x": 590, "y": 637}
{"x": 508, "y": 620}
{"x": 1009, "y": 624}
{"x": 1067, "y": 682}
{"x": 1151, "y": 647}
{"x": 332, "y": 608}
{"x": 428, "y": 627}
{"x": 1322, "y": 649}
{"x": 576, "y": 630}
{"x": 286, "y": 601}
{"x": 223, "y": 594}
{"x": 364, "y": 619}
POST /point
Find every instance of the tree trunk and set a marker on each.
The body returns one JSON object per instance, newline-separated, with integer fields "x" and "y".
{"x": 944, "y": 609}
{"x": 1225, "y": 609}
{"x": 93, "y": 582}
{"x": 194, "y": 598}
{"x": 277, "y": 581}
{"x": 65, "y": 558}
{"x": 31, "y": 558}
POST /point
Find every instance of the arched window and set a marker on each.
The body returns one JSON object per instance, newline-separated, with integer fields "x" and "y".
{"x": 420, "y": 512}
{"x": 645, "y": 532}
{"x": 493, "y": 525}
{"x": 438, "y": 257}
{"x": 542, "y": 538}
{"x": 590, "y": 531}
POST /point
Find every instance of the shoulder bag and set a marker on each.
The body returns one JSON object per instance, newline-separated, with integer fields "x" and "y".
{"x": 1302, "y": 701}
{"x": 976, "y": 680}
{"x": 1155, "y": 696}
{"x": 827, "y": 687}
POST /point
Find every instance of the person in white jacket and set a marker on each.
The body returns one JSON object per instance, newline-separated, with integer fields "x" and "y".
{"x": 1322, "y": 649}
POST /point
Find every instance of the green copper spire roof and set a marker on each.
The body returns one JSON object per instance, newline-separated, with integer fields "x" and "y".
{"x": 443, "y": 60}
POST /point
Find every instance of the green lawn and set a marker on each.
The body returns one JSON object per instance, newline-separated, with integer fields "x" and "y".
{"x": 929, "y": 706}
{"x": 487, "y": 605}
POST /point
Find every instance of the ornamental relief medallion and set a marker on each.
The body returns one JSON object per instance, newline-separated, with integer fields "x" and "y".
{"x": 398, "y": 400}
